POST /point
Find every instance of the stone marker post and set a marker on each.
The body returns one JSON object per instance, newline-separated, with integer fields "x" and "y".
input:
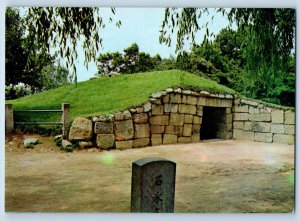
{"x": 153, "y": 185}
{"x": 65, "y": 119}
{"x": 9, "y": 118}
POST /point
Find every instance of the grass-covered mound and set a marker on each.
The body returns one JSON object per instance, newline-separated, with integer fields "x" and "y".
{"x": 107, "y": 95}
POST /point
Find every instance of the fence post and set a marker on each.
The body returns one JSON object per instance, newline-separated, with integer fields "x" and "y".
{"x": 65, "y": 119}
{"x": 9, "y": 118}
{"x": 153, "y": 185}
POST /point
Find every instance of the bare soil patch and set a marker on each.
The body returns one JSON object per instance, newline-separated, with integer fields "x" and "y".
{"x": 212, "y": 176}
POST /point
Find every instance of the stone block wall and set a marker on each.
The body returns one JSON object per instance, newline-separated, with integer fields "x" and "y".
{"x": 255, "y": 121}
{"x": 171, "y": 116}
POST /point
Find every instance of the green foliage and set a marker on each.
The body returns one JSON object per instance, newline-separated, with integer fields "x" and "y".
{"x": 107, "y": 95}
{"x": 44, "y": 130}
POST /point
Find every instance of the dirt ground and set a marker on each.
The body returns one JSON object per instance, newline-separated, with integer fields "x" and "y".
{"x": 212, "y": 176}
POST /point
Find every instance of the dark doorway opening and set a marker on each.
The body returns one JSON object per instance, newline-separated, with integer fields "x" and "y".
{"x": 213, "y": 123}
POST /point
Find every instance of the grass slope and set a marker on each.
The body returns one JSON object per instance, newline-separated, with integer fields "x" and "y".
{"x": 107, "y": 95}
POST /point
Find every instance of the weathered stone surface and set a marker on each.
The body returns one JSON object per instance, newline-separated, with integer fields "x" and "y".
{"x": 85, "y": 144}
{"x": 228, "y": 110}
{"x": 187, "y": 130}
{"x": 214, "y": 102}
{"x": 156, "y": 129}
{"x": 175, "y": 98}
{"x": 140, "y": 110}
{"x": 142, "y": 130}
{"x": 283, "y": 138}
{"x": 95, "y": 119}
{"x": 187, "y": 109}
{"x": 196, "y": 128}
{"x": 190, "y": 100}
{"x": 178, "y": 90}
{"x": 249, "y": 102}
{"x": 265, "y": 110}
{"x": 166, "y": 98}
{"x": 176, "y": 119}
{"x": 228, "y": 127}
{"x": 123, "y": 145}
{"x": 241, "y": 109}
{"x": 228, "y": 118}
{"x": 147, "y": 107}
{"x": 257, "y": 126}
{"x": 140, "y": 118}
{"x": 238, "y": 125}
{"x": 30, "y": 142}
{"x": 156, "y": 95}
{"x": 184, "y": 139}
{"x": 168, "y": 90}
{"x": 156, "y": 139}
{"x": 104, "y": 128}
{"x": 159, "y": 120}
{"x": 127, "y": 115}
{"x": 289, "y": 129}
{"x": 229, "y": 135}
{"x": 119, "y": 116}
{"x": 264, "y": 137}
{"x": 277, "y": 128}
{"x": 241, "y": 116}
{"x": 169, "y": 139}
{"x": 141, "y": 142}
{"x": 196, "y": 137}
{"x": 124, "y": 129}
{"x": 253, "y": 110}
{"x": 187, "y": 92}
{"x": 177, "y": 130}
{"x": 105, "y": 141}
{"x": 199, "y": 111}
{"x": 188, "y": 118}
{"x": 277, "y": 116}
{"x": 81, "y": 129}
{"x": 157, "y": 109}
{"x": 67, "y": 145}
{"x": 205, "y": 93}
{"x": 243, "y": 135}
{"x": 289, "y": 117}
{"x": 197, "y": 120}
{"x": 171, "y": 108}
{"x": 260, "y": 117}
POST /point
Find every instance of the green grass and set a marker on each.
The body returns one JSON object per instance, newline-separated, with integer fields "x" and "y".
{"x": 108, "y": 95}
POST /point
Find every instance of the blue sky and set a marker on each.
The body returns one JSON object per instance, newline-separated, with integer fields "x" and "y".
{"x": 141, "y": 26}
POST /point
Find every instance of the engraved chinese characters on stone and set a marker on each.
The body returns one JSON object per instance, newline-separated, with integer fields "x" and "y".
{"x": 153, "y": 185}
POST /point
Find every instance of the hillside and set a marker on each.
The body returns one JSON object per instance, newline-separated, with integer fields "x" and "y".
{"x": 107, "y": 95}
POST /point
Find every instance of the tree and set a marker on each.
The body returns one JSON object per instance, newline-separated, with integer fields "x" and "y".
{"x": 269, "y": 42}
{"x": 61, "y": 29}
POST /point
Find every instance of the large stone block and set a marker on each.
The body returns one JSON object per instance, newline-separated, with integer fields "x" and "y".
{"x": 197, "y": 120}
{"x": 187, "y": 130}
{"x": 157, "y": 109}
{"x": 196, "y": 137}
{"x": 199, "y": 111}
{"x": 188, "y": 99}
{"x": 187, "y": 109}
{"x": 81, "y": 129}
{"x": 253, "y": 110}
{"x": 277, "y": 128}
{"x": 289, "y": 117}
{"x": 241, "y": 116}
{"x": 119, "y": 116}
{"x": 277, "y": 116}
{"x": 156, "y": 139}
{"x": 170, "y": 139}
{"x": 184, "y": 139}
{"x": 175, "y": 98}
{"x": 243, "y": 135}
{"x": 196, "y": 128}
{"x": 141, "y": 142}
{"x": 264, "y": 137}
{"x": 283, "y": 138}
{"x": 166, "y": 98}
{"x": 124, "y": 129}
{"x": 177, "y": 130}
{"x": 105, "y": 141}
{"x": 104, "y": 128}
{"x": 214, "y": 102}
{"x": 289, "y": 129}
{"x": 142, "y": 130}
{"x": 159, "y": 120}
{"x": 123, "y": 145}
{"x": 140, "y": 118}
{"x": 176, "y": 119}
{"x": 171, "y": 108}
{"x": 241, "y": 109}
{"x": 266, "y": 117}
{"x": 238, "y": 125}
{"x": 156, "y": 129}
{"x": 188, "y": 118}
{"x": 257, "y": 126}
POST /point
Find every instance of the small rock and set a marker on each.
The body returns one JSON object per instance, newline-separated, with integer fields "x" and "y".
{"x": 58, "y": 137}
{"x": 169, "y": 90}
{"x": 204, "y": 93}
{"x": 67, "y": 145}
{"x": 156, "y": 95}
{"x": 147, "y": 107}
{"x": 102, "y": 118}
{"x": 85, "y": 144}
{"x": 30, "y": 142}
{"x": 95, "y": 119}
{"x": 178, "y": 90}
{"x": 187, "y": 92}
{"x": 132, "y": 110}
{"x": 127, "y": 115}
